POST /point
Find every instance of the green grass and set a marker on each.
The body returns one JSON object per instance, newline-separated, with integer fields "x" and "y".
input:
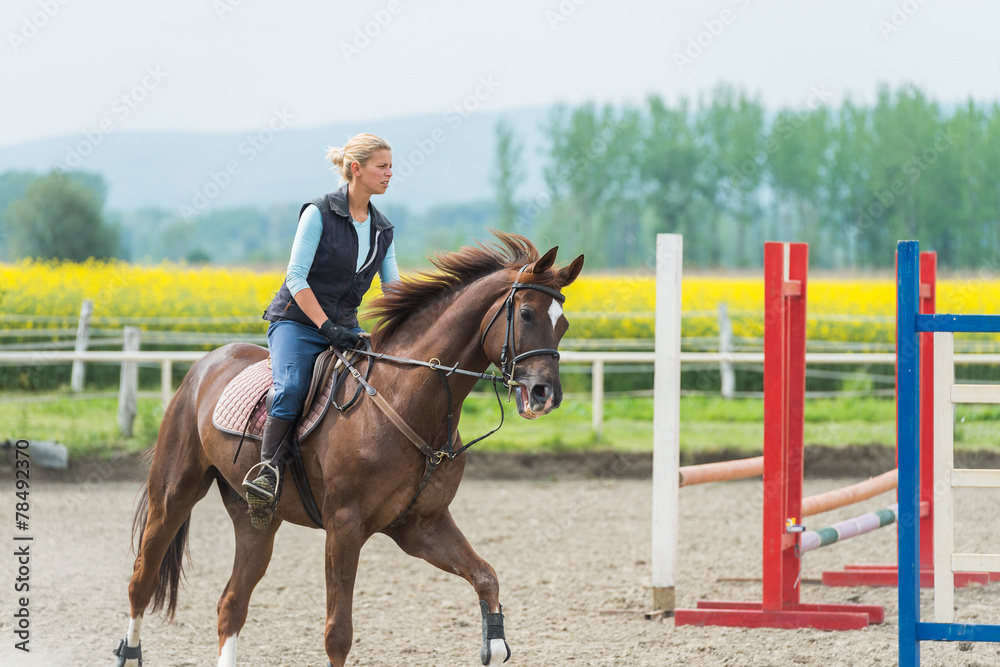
{"x": 89, "y": 426}
{"x": 706, "y": 424}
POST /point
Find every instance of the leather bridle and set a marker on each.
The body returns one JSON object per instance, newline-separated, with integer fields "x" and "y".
{"x": 508, "y": 353}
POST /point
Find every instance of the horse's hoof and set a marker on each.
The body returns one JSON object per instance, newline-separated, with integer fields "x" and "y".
{"x": 495, "y": 650}
{"x": 126, "y": 653}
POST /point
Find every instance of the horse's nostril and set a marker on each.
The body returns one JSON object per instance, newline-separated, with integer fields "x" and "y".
{"x": 541, "y": 392}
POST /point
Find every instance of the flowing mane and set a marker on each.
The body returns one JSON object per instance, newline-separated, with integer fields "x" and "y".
{"x": 455, "y": 269}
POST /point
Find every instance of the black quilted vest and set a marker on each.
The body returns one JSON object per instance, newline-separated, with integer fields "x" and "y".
{"x": 332, "y": 276}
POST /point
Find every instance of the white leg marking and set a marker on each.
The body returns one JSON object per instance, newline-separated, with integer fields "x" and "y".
{"x": 555, "y": 311}
{"x": 227, "y": 656}
{"x": 132, "y": 636}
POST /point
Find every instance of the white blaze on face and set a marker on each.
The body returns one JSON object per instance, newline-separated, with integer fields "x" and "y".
{"x": 555, "y": 311}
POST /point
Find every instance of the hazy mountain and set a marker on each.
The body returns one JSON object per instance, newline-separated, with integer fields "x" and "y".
{"x": 438, "y": 160}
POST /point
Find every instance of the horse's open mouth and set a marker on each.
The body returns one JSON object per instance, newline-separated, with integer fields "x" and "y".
{"x": 523, "y": 406}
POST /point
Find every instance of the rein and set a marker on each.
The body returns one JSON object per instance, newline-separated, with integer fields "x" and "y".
{"x": 434, "y": 457}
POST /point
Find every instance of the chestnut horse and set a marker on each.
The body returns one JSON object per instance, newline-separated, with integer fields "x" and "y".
{"x": 494, "y": 304}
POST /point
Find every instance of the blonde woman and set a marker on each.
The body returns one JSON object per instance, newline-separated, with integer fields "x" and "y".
{"x": 341, "y": 242}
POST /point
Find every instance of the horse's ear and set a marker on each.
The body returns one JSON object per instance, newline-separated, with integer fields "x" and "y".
{"x": 544, "y": 262}
{"x": 568, "y": 274}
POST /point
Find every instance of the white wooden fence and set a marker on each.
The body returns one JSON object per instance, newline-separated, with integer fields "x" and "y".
{"x": 597, "y": 360}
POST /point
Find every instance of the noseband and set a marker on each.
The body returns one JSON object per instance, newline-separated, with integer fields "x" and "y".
{"x": 508, "y": 353}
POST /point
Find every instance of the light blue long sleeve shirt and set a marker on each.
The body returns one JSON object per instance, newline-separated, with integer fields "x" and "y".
{"x": 306, "y": 242}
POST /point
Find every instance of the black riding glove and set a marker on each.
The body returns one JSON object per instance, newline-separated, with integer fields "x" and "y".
{"x": 340, "y": 337}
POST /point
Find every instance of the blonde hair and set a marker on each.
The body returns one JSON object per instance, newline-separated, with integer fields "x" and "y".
{"x": 359, "y": 149}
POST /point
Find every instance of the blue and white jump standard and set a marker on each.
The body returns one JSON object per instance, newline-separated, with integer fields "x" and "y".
{"x": 909, "y": 326}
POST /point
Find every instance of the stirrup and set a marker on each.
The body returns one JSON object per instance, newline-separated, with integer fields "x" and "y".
{"x": 259, "y": 496}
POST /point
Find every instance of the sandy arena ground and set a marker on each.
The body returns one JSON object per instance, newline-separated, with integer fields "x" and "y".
{"x": 565, "y": 551}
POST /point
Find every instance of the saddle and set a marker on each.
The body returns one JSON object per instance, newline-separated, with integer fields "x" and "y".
{"x": 242, "y": 410}
{"x": 241, "y": 407}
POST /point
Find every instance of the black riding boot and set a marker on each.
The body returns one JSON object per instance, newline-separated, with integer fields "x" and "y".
{"x": 263, "y": 491}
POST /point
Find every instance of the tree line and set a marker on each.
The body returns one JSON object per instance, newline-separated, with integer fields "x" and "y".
{"x": 62, "y": 215}
{"x": 730, "y": 175}
{"x": 724, "y": 171}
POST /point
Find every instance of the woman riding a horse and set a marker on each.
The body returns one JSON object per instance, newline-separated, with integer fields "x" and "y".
{"x": 372, "y": 467}
{"x": 341, "y": 242}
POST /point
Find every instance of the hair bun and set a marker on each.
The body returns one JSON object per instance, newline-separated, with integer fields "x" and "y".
{"x": 335, "y": 155}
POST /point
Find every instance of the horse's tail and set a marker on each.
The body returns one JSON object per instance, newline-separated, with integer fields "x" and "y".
{"x": 171, "y": 567}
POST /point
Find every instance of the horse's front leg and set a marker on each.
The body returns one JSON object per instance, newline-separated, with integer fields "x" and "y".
{"x": 440, "y": 542}
{"x": 344, "y": 540}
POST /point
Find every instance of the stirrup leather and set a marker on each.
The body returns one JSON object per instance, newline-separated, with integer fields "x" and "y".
{"x": 256, "y": 494}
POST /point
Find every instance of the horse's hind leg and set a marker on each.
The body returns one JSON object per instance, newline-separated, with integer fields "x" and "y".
{"x": 253, "y": 553}
{"x": 178, "y": 479}
{"x": 440, "y": 542}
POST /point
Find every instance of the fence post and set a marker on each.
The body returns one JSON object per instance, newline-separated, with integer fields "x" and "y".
{"x": 725, "y": 349}
{"x": 129, "y": 385}
{"x": 597, "y": 396}
{"x": 166, "y": 381}
{"x": 82, "y": 339}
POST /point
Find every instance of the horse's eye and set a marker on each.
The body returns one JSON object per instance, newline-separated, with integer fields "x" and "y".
{"x": 525, "y": 315}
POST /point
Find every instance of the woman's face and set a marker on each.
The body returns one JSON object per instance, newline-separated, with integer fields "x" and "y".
{"x": 375, "y": 174}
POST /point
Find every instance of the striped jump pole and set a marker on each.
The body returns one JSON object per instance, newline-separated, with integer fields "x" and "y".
{"x": 909, "y": 325}
{"x": 785, "y": 289}
{"x": 848, "y": 528}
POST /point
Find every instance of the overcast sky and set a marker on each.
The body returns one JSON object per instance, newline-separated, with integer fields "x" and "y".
{"x": 72, "y": 66}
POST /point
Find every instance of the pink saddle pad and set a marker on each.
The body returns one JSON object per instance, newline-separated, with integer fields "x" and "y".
{"x": 242, "y": 396}
{"x": 242, "y": 400}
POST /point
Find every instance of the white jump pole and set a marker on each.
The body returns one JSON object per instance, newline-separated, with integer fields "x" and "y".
{"x": 666, "y": 418}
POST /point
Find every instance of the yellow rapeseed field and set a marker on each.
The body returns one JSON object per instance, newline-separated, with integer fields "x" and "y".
{"x": 223, "y": 299}
{"x": 185, "y": 296}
